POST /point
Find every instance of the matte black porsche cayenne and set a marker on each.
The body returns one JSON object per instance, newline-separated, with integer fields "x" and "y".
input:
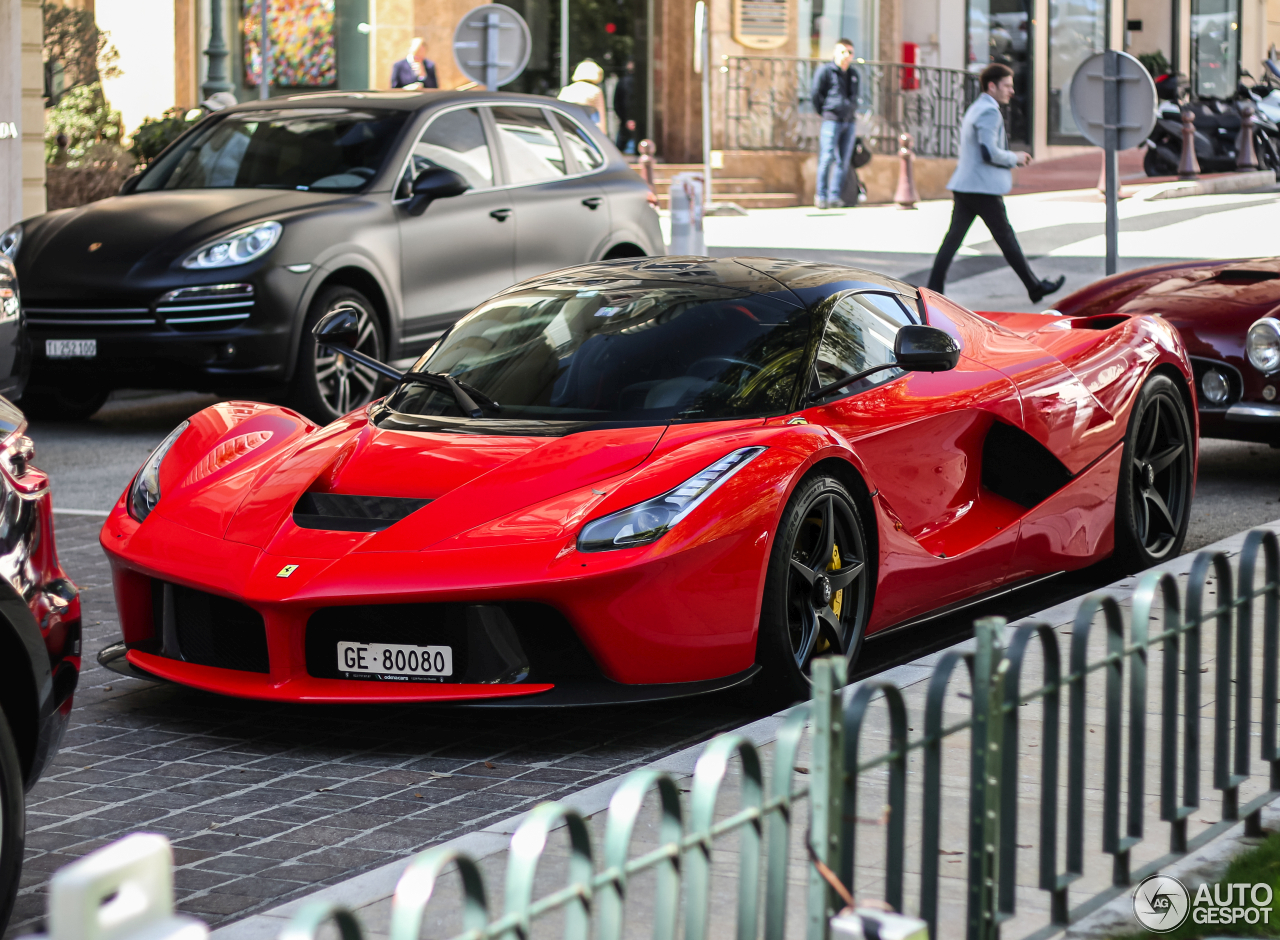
{"x": 408, "y": 208}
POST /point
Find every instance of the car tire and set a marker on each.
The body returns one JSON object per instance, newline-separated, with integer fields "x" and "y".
{"x": 820, "y": 528}
{"x": 1153, "y": 496}
{"x": 13, "y": 825}
{"x": 327, "y": 385}
{"x": 46, "y": 403}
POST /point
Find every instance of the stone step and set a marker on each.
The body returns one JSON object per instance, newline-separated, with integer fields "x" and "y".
{"x": 741, "y": 184}
{"x": 745, "y": 200}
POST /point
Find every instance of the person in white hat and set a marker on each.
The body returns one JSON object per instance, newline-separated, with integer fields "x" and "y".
{"x": 585, "y": 90}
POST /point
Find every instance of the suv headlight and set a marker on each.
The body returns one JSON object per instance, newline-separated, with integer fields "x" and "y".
{"x": 144, "y": 492}
{"x": 648, "y": 521}
{"x": 238, "y": 247}
{"x": 10, "y": 239}
{"x": 1262, "y": 345}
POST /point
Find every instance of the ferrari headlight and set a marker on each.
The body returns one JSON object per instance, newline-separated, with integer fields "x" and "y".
{"x": 239, "y": 247}
{"x": 144, "y": 492}
{"x": 10, "y": 239}
{"x": 648, "y": 521}
{"x": 1263, "y": 345}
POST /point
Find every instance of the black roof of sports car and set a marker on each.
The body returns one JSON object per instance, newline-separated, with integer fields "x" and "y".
{"x": 809, "y": 281}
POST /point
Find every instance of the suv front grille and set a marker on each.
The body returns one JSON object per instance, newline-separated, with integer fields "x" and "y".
{"x": 209, "y": 630}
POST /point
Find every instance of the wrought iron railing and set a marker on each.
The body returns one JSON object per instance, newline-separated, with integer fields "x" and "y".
{"x": 774, "y": 850}
{"x": 768, "y": 105}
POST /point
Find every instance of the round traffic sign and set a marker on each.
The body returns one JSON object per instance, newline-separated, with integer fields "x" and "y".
{"x": 491, "y": 45}
{"x": 1136, "y": 114}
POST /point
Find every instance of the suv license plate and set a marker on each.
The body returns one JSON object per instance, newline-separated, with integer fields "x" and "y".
{"x": 395, "y": 660}
{"x": 71, "y": 348}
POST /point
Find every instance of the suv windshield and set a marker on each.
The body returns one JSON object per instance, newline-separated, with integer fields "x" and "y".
{"x": 327, "y": 149}
{"x": 644, "y": 353}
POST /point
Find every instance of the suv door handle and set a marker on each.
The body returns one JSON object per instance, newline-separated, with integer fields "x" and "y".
{"x": 500, "y": 214}
{"x": 593, "y": 202}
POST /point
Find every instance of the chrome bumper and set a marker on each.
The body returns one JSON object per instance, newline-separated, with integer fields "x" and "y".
{"x": 1254, "y": 413}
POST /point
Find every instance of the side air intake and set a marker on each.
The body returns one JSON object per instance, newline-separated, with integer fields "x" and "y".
{"x": 1018, "y": 467}
{"x": 339, "y": 512}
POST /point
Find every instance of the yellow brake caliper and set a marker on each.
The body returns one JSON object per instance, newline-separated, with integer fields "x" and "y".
{"x": 837, "y": 599}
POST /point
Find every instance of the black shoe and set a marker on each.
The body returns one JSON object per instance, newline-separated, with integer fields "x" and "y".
{"x": 1045, "y": 288}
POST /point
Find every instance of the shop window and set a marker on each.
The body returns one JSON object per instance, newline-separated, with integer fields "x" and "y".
{"x": 823, "y": 22}
{"x": 1000, "y": 31}
{"x": 1215, "y": 47}
{"x": 1077, "y": 30}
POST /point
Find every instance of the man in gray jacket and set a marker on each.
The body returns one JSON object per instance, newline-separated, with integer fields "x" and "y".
{"x": 983, "y": 175}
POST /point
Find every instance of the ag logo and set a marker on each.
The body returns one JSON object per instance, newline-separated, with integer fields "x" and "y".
{"x": 95, "y": 246}
{"x": 286, "y": 571}
{"x": 1161, "y": 903}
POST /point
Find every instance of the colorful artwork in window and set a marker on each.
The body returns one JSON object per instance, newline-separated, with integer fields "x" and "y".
{"x": 301, "y": 43}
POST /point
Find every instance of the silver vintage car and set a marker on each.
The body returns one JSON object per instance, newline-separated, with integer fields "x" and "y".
{"x": 210, "y": 268}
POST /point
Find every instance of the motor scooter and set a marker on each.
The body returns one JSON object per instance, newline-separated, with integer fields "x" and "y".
{"x": 1217, "y": 124}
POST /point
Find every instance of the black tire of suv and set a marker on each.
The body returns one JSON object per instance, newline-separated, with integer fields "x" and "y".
{"x": 13, "y": 823}
{"x": 305, "y": 392}
{"x": 47, "y": 403}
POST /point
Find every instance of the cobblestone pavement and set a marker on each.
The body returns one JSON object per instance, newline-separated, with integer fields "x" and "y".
{"x": 265, "y": 802}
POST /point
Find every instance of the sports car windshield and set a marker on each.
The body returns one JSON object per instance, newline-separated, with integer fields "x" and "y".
{"x": 327, "y": 149}
{"x": 636, "y": 354}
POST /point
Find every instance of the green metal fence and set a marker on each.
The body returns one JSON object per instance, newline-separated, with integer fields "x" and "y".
{"x": 593, "y": 900}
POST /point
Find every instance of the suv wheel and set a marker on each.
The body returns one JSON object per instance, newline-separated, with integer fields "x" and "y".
{"x": 327, "y": 385}
{"x": 62, "y": 404}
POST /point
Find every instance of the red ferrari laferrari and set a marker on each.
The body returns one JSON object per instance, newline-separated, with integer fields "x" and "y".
{"x": 645, "y": 479}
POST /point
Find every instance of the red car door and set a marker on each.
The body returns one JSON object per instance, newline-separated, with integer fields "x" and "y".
{"x": 1072, "y": 429}
{"x": 943, "y": 537}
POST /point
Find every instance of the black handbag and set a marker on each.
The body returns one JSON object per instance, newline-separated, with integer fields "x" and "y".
{"x": 861, "y": 155}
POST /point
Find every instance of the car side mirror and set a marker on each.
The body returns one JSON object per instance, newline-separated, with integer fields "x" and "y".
{"x": 435, "y": 183}
{"x": 338, "y": 329}
{"x": 925, "y": 349}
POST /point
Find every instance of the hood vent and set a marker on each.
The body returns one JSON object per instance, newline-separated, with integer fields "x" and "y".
{"x": 339, "y": 512}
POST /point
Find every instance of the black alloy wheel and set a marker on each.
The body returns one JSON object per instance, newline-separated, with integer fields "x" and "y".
{"x": 13, "y": 825}
{"x": 818, "y": 589}
{"x": 1153, "y": 503}
{"x": 328, "y": 384}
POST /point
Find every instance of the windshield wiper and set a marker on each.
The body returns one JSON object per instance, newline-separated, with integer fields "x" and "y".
{"x": 459, "y": 390}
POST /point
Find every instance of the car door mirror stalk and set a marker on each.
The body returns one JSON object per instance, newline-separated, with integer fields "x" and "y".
{"x": 916, "y": 348}
{"x": 432, "y": 184}
{"x": 339, "y": 331}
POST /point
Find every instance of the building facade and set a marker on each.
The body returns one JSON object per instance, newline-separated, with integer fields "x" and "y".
{"x": 21, "y": 112}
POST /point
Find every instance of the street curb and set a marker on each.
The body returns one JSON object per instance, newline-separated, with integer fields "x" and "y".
{"x": 380, "y": 883}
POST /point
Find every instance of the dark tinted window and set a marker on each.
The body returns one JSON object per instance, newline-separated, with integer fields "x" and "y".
{"x": 860, "y": 332}
{"x": 455, "y": 141}
{"x": 530, "y": 144}
{"x": 631, "y": 354}
{"x": 329, "y": 149}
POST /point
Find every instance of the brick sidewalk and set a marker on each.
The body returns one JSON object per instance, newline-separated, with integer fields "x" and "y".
{"x": 265, "y": 802}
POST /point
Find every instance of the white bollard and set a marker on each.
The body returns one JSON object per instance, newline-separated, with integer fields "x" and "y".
{"x": 123, "y": 891}
{"x": 686, "y": 215}
{"x": 869, "y": 924}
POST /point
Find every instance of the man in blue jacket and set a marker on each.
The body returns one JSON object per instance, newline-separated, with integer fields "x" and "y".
{"x": 984, "y": 173}
{"x": 835, "y": 97}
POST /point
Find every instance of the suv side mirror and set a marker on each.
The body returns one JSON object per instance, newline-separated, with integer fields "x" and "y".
{"x": 435, "y": 183}
{"x": 925, "y": 349}
{"x": 338, "y": 329}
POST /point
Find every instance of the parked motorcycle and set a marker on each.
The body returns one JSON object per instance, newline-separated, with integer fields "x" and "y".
{"x": 1217, "y": 130}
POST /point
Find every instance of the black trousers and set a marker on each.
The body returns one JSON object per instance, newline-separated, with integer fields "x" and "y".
{"x": 990, "y": 209}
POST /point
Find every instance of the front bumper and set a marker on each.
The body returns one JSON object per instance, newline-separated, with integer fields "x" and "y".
{"x": 634, "y": 630}
{"x": 144, "y": 343}
{"x": 1255, "y": 413}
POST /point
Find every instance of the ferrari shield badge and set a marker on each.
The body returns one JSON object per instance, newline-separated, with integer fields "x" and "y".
{"x": 286, "y": 571}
